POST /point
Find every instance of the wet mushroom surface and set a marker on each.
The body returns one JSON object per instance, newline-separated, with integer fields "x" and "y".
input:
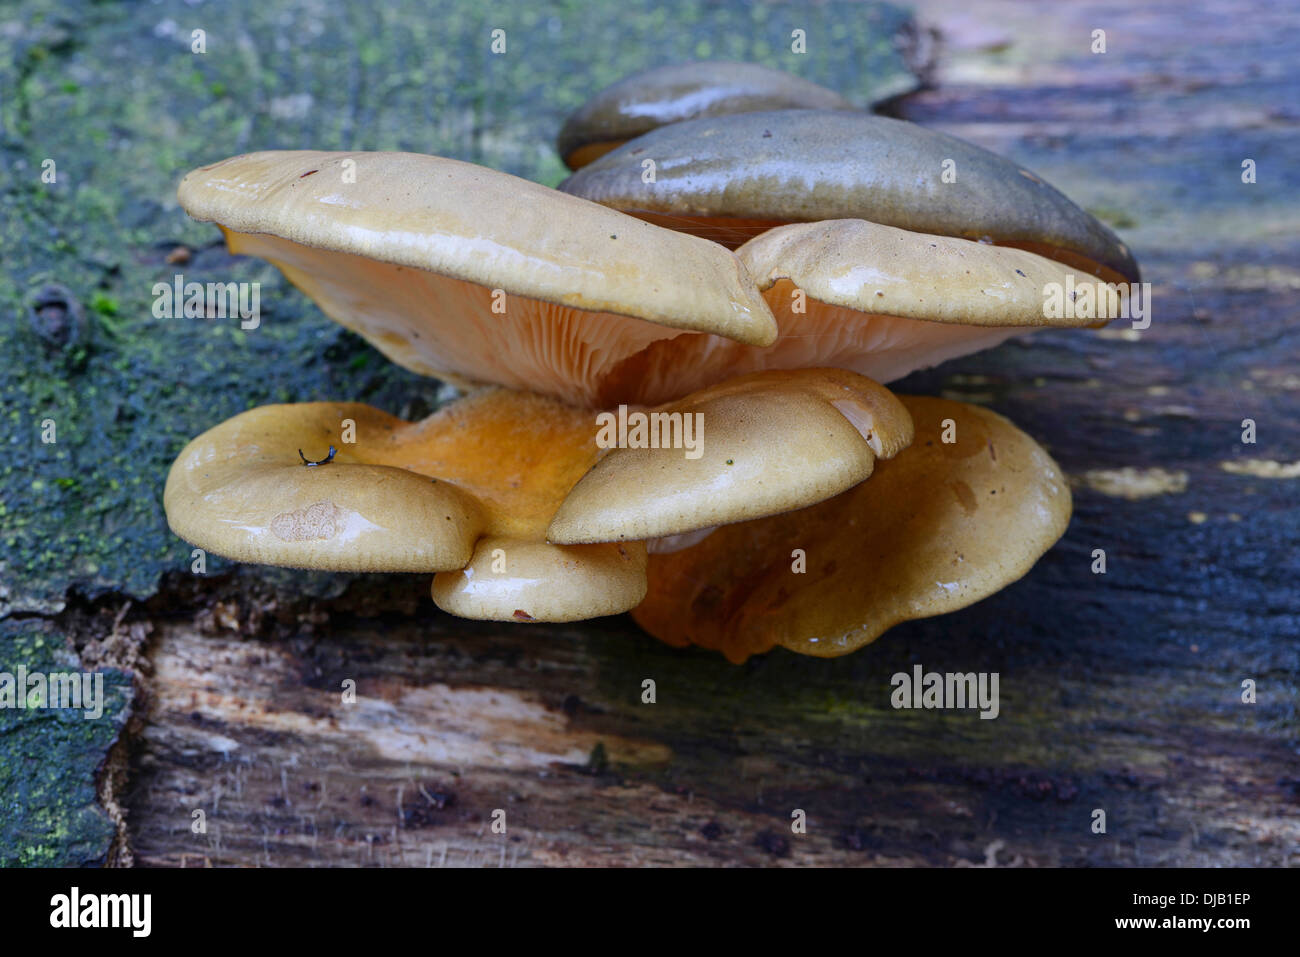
{"x": 667, "y": 94}
{"x": 962, "y": 512}
{"x": 732, "y": 177}
{"x": 431, "y": 260}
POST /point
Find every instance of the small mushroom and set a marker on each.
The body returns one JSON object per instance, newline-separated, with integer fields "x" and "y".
{"x": 682, "y": 91}
{"x": 939, "y": 527}
{"x": 240, "y": 490}
{"x": 512, "y": 580}
{"x": 475, "y": 276}
{"x": 773, "y": 441}
{"x": 731, "y": 177}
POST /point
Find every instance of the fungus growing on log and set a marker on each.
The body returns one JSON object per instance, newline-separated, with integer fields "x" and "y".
{"x": 509, "y": 496}
{"x": 654, "y": 422}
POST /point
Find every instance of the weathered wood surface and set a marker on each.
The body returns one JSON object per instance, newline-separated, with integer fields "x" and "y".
{"x": 1118, "y": 692}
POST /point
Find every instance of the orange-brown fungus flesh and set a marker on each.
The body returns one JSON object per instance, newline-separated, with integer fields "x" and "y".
{"x": 518, "y": 454}
{"x": 933, "y": 530}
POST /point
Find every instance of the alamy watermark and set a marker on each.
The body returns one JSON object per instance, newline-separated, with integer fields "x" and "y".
{"x": 652, "y": 430}
{"x": 214, "y": 300}
{"x": 61, "y": 690}
{"x": 922, "y": 689}
{"x": 131, "y": 912}
{"x": 1089, "y": 299}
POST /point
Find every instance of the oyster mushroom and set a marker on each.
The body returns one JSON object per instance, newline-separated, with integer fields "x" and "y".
{"x": 937, "y": 528}
{"x": 474, "y": 491}
{"x": 681, "y": 91}
{"x": 475, "y": 276}
{"x": 776, "y": 441}
{"x": 876, "y": 300}
{"x": 732, "y": 177}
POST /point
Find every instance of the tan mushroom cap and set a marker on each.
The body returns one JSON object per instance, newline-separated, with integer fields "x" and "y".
{"x": 682, "y": 91}
{"x": 241, "y": 490}
{"x": 935, "y": 529}
{"x": 731, "y": 177}
{"x": 884, "y": 270}
{"x": 513, "y": 580}
{"x": 761, "y": 444}
{"x": 885, "y": 302}
{"x": 472, "y": 275}
{"x": 483, "y": 473}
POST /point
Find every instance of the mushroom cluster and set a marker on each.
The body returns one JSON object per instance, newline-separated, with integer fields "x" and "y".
{"x": 671, "y": 368}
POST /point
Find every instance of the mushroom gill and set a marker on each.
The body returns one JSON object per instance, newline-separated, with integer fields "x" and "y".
{"x": 939, "y": 527}
{"x": 876, "y": 300}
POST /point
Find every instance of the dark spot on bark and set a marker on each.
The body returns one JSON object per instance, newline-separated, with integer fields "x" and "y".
{"x": 57, "y": 317}
{"x": 775, "y": 844}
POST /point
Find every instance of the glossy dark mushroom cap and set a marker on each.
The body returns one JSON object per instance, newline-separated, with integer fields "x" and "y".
{"x": 683, "y": 91}
{"x": 731, "y": 177}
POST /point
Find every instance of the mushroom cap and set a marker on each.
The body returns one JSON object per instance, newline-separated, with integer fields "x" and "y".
{"x": 241, "y": 490}
{"x": 937, "y": 528}
{"x": 513, "y": 580}
{"x": 877, "y": 300}
{"x": 767, "y": 443}
{"x": 682, "y": 91}
{"x": 883, "y": 270}
{"x": 471, "y": 275}
{"x": 729, "y": 177}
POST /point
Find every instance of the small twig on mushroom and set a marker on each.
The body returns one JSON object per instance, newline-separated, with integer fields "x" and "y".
{"x": 325, "y": 461}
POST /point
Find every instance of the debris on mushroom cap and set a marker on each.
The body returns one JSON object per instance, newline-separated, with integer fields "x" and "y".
{"x": 472, "y": 275}
{"x": 937, "y": 528}
{"x": 682, "y": 91}
{"x": 514, "y": 580}
{"x": 767, "y": 443}
{"x": 731, "y": 177}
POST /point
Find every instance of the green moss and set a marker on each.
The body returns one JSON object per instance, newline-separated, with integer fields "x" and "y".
{"x": 49, "y": 759}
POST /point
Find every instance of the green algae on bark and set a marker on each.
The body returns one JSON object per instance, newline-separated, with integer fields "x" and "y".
{"x": 51, "y": 758}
